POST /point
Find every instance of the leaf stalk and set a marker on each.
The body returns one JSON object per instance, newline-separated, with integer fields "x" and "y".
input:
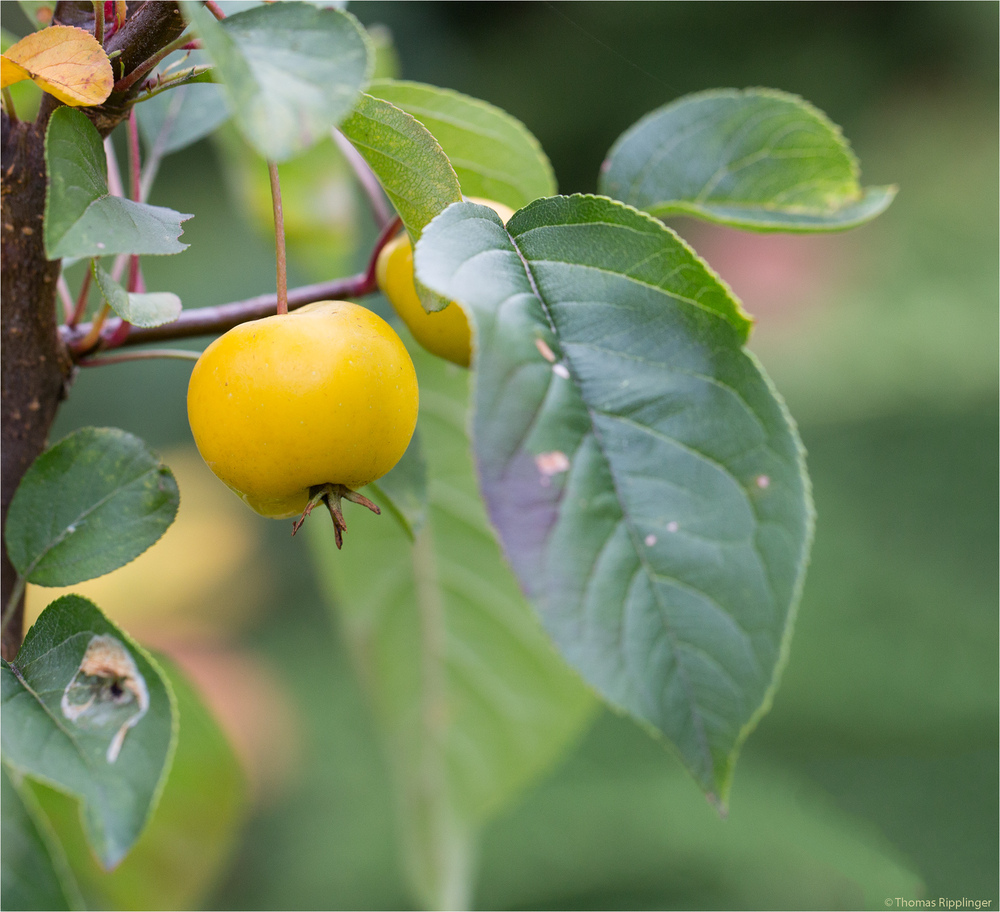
{"x": 10, "y": 609}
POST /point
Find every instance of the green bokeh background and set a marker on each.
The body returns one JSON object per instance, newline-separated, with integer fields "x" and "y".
{"x": 887, "y": 716}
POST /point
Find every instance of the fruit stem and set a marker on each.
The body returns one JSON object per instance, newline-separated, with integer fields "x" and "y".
{"x": 279, "y": 237}
{"x": 134, "y": 156}
{"x": 331, "y": 495}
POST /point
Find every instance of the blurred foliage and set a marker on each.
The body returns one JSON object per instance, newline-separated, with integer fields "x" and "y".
{"x": 190, "y": 835}
{"x": 878, "y": 766}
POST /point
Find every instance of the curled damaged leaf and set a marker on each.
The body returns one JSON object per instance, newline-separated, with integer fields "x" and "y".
{"x": 139, "y": 308}
{"x": 107, "y": 691}
{"x": 64, "y": 61}
{"x": 87, "y": 711}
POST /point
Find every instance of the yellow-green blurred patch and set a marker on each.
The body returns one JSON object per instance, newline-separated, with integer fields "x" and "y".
{"x": 192, "y": 832}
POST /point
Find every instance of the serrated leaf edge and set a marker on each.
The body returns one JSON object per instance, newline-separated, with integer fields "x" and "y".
{"x": 723, "y": 781}
{"x": 691, "y": 208}
{"x": 517, "y": 124}
{"x": 62, "y": 537}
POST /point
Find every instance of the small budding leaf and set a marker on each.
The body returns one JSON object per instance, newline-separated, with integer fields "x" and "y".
{"x": 65, "y": 61}
{"x": 139, "y": 308}
{"x": 82, "y": 219}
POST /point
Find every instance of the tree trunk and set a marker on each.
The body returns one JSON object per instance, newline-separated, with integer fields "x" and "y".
{"x": 36, "y": 368}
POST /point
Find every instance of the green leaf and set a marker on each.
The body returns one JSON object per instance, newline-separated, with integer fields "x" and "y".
{"x": 290, "y": 72}
{"x": 81, "y": 218}
{"x": 35, "y": 874}
{"x": 646, "y": 482}
{"x": 191, "y": 834}
{"x": 757, "y": 159}
{"x": 86, "y": 710}
{"x": 139, "y": 308}
{"x": 406, "y": 158}
{"x": 404, "y": 490}
{"x": 472, "y": 701}
{"x": 493, "y": 154}
{"x": 88, "y": 505}
{"x": 410, "y": 165}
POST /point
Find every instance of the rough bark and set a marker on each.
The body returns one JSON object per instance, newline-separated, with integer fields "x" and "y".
{"x": 35, "y": 366}
{"x": 36, "y": 369}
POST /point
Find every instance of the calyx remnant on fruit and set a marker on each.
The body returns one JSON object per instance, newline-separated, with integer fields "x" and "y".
{"x": 295, "y": 408}
{"x": 446, "y": 332}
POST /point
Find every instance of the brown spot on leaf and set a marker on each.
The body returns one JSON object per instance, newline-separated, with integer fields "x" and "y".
{"x": 545, "y": 351}
{"x": 107, "y": 690}
{"x": 552, "y": 463}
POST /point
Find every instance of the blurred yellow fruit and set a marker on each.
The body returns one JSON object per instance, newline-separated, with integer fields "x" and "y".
{"x": 444, "y": 333}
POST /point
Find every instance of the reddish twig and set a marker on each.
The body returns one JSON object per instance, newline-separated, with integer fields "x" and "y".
{"x": 206, "y": 321}
{"x": 215, "y": 9}
{"x": 381, "y": 210}
{"x": 81, "y": 300}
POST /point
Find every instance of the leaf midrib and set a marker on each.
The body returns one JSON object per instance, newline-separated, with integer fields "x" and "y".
{"x": 633, "y": 535}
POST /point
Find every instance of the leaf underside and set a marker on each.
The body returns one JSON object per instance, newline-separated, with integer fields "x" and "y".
{"x": 646, "y": 481}
{"x": 290, "y": 71}
{"x": 756, "y": 159}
